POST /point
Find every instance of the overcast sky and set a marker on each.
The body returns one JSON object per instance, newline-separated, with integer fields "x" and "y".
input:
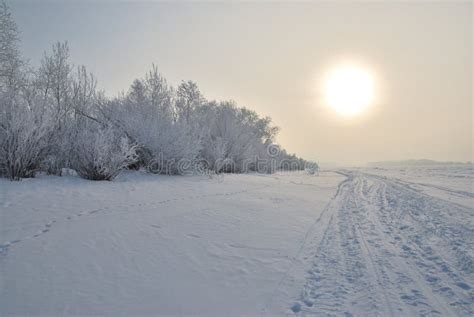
{"x": 272, "y": 57}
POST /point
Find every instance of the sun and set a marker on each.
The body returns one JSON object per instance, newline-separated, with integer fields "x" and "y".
{"x": 349, "y": 90}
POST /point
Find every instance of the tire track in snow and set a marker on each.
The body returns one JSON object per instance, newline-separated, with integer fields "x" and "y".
{"x": 268, "y": 305}
{"x": 388, "y": 272}
{"x": 410, "y": 186}
{"x": 423, "y": 234}
{"x": 379, "y": 255}
{"x": 460, "y": 193}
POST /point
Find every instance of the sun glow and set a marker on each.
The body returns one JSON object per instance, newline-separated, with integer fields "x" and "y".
{"x": 349, "y": 90}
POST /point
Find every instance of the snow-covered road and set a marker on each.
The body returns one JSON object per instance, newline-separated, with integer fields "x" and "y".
{"x": 348, "y": 242}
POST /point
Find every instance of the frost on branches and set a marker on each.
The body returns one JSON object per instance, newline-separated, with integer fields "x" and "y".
{"x": 54, "y": 117}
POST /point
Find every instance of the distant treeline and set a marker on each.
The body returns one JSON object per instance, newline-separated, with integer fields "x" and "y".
{"x": 420, "y": 162}
{"x": 54, "y": 117}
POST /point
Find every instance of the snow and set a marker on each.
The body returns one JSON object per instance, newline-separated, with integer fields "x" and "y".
{"x": 354, "y": 242}
{"x": 448, "y": 181}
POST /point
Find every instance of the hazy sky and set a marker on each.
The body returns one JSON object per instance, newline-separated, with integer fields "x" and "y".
{"x": 271, "y": 57}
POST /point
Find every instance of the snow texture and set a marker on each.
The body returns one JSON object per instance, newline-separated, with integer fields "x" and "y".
{"x": 386, "y": 242}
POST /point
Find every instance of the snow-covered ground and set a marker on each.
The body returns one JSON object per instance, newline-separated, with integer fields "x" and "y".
{"x": 348, "y": 242}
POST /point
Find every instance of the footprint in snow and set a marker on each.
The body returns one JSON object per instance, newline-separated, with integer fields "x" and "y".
{"x": 463, "y": 286}
{"x": 296, "y": 308}
{"x": 3, "y": 249}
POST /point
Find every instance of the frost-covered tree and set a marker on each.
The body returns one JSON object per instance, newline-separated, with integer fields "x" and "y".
{"x": 54, "y": 117}
{"x": 25, "y": 127}
{"x": 148, "y": 115}
{"x": 84, "y": 94}
{"x": 235, "y": 135}
{"x": 10, "y": 58}
{"x": 189, "y": 98}
{"x": 55, "y": 80}
{"x": 55, "y": 85}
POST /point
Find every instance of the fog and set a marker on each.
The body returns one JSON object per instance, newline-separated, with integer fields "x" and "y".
{"x": 273, "y": 57}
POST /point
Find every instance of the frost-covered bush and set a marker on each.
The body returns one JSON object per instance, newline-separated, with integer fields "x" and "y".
{"x": 24, "y": 141}
{"x": 100, "y": 153}
{"x": 312, "y": 168}
{"x": 175, "y": 147}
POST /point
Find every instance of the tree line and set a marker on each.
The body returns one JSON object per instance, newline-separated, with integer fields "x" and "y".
{"x": 54, "y": 117}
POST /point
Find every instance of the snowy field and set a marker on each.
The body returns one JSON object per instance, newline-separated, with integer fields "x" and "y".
{"x": 375, "y": 241}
